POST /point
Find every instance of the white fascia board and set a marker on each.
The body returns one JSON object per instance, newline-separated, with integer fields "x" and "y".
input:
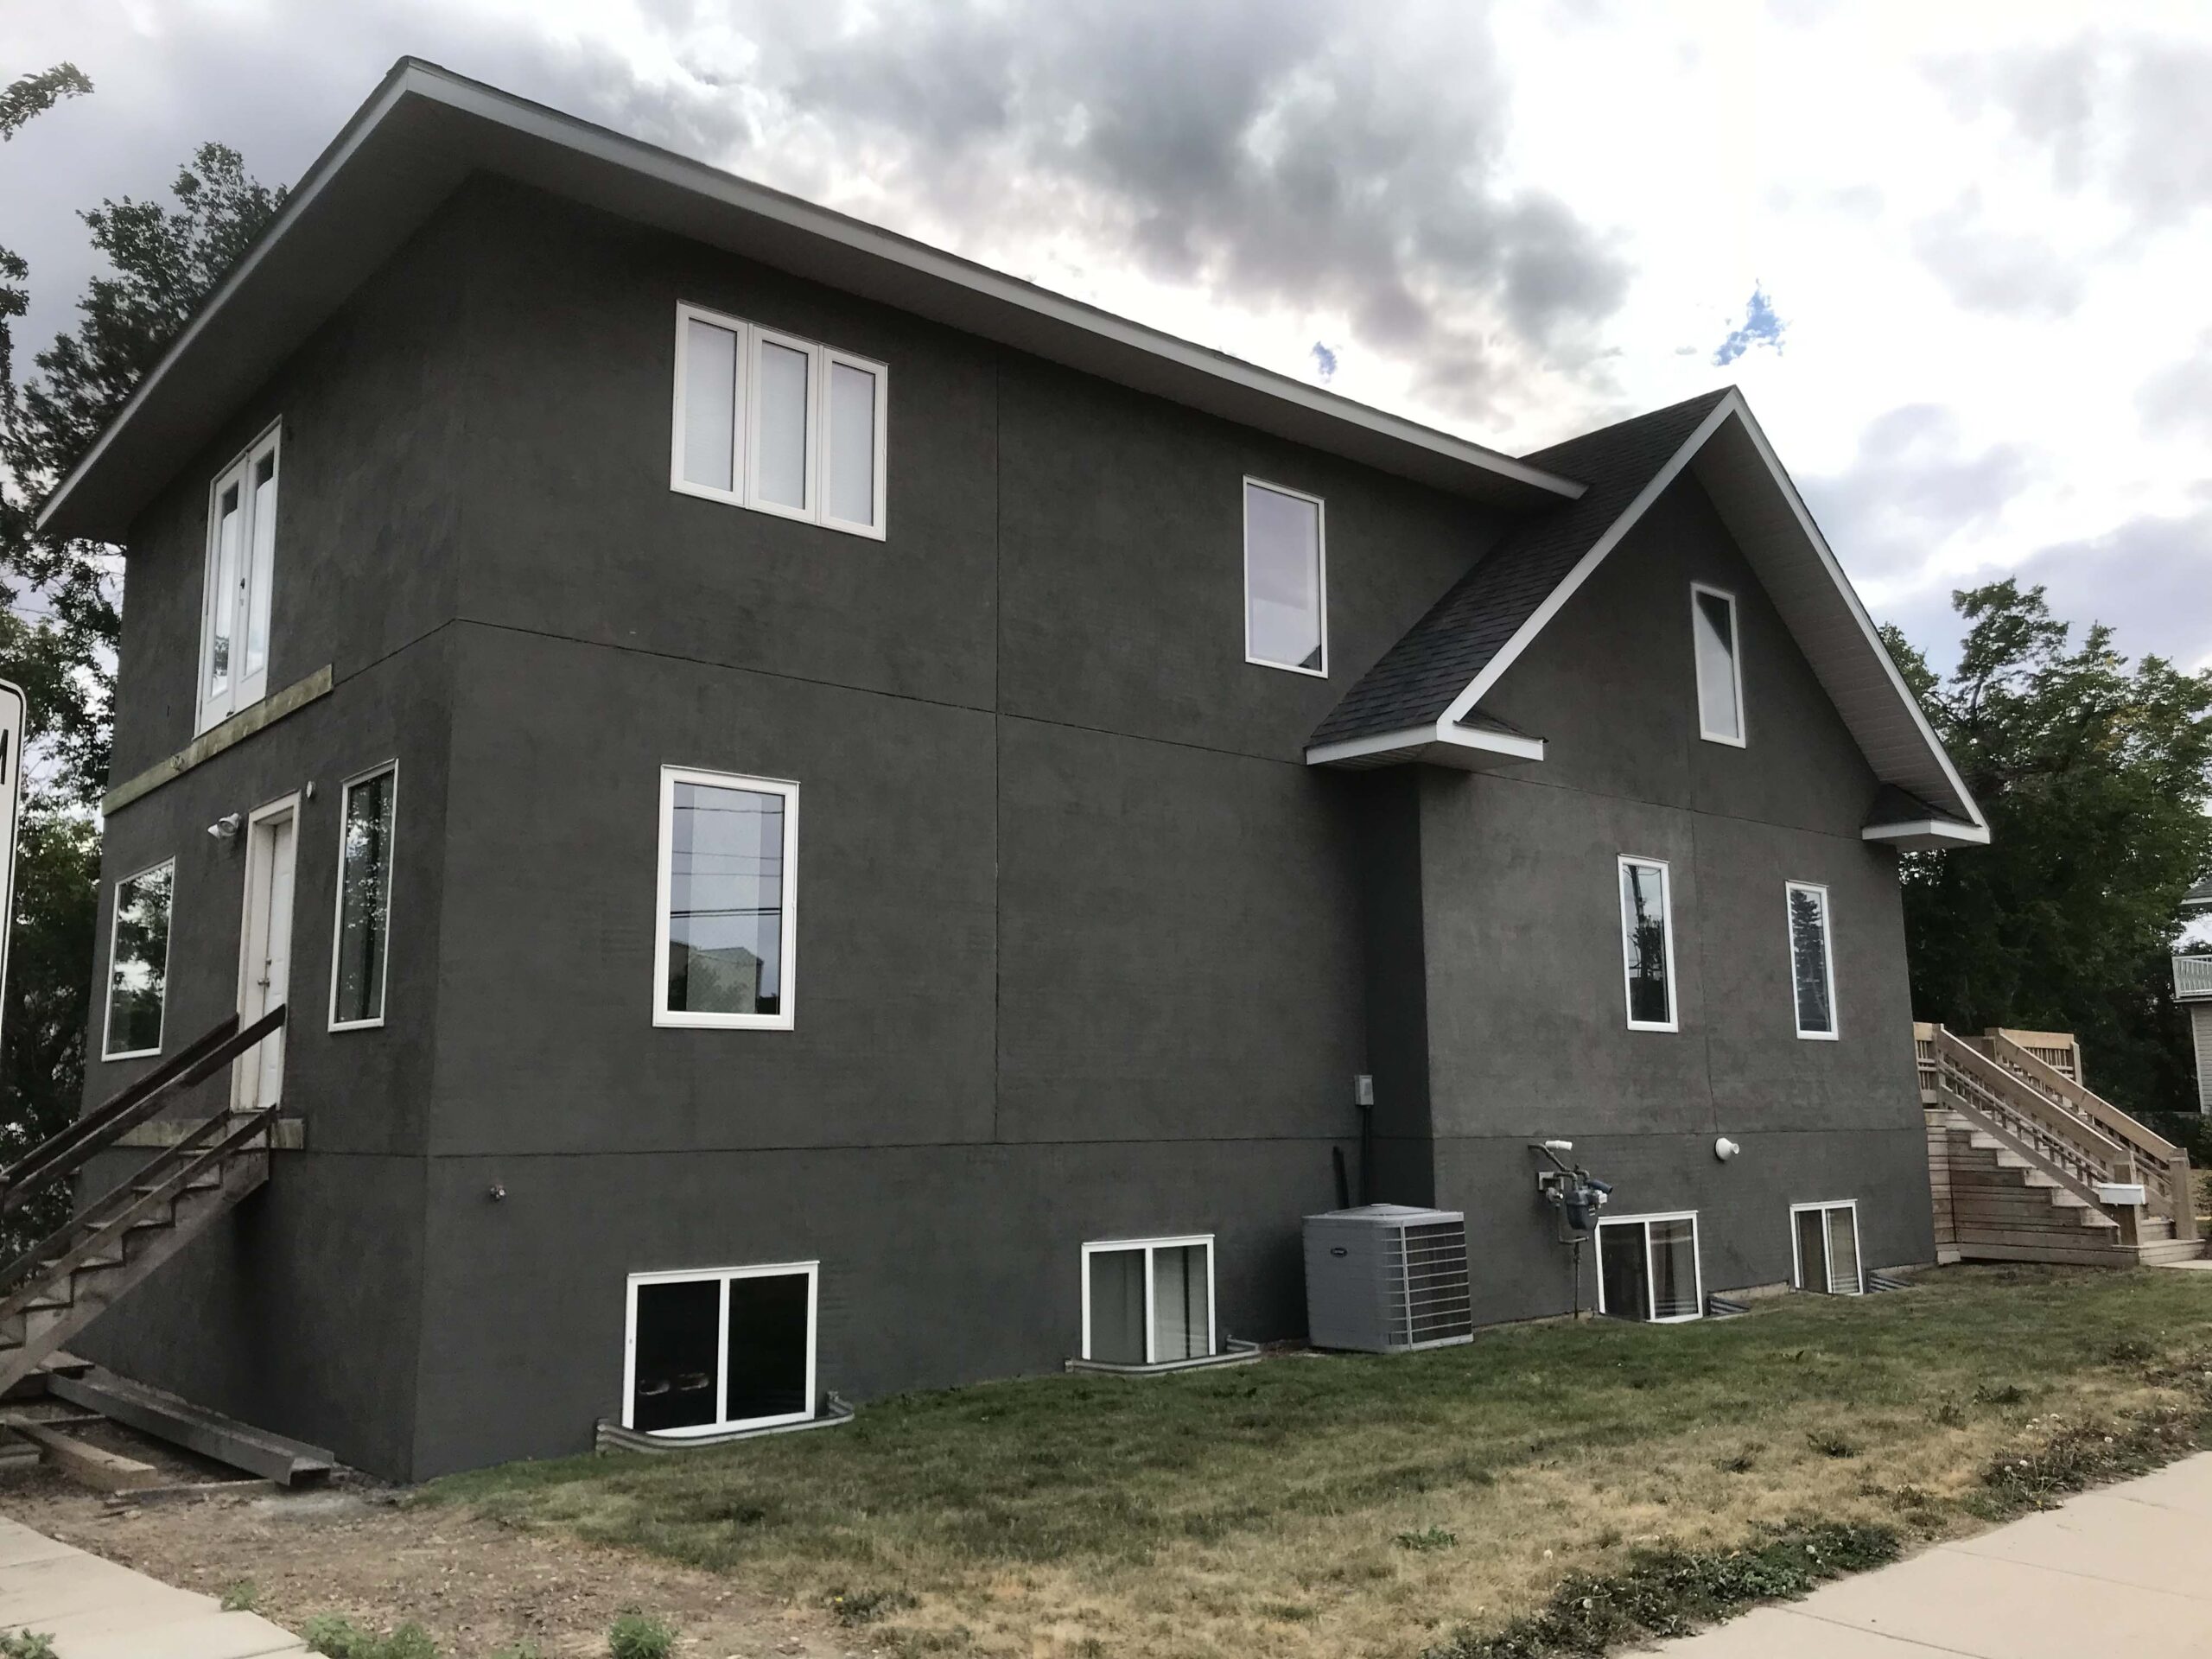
{"x": 1525, "y": 635}
{"x": 1415, "y": 740}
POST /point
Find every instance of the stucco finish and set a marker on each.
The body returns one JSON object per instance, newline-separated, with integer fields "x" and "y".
{"x": 1084, "y": 950}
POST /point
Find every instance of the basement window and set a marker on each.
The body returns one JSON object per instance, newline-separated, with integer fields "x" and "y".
{"x": 138, "y": 963}
{"x": 360, "y": 937}
{"x": 708, "y": 1350}
{"x": 1719, "y": 668}
{"x": 729, "y": 920}
{"x": 1824, "y": 1247}
{"x": 1148, "y": 1301}
{"x": 1286, "y": 580}
{"x": 1812, "y": 961}
{"x": 1648, "y": 944}
{"x": 1648, "y": 1267}
{"x": 782, "y": 425}
{"x": 241, "y": 571}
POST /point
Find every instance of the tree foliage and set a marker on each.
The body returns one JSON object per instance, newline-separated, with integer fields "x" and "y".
{"x": 59, "y": 627}
{"x": 2095, "y": 776}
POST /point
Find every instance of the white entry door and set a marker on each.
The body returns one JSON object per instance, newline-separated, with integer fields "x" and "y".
{"x": 266, "y": 948}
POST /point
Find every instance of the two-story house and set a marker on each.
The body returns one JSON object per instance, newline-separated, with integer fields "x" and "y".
{"x": 825, "y": 818}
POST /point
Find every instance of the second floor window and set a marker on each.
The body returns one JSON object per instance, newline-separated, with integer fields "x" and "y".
{"x": 241, "y": 570}
{"x": 1286, "y": 580}
{"x": 138, "y": 963}
{"x": 359, "y": 948}
{"x": 727, "y": 926}
{"x": 1812, "y": 960}
{"x": 781, "y": 425}
{"x": 1648, "y": 945}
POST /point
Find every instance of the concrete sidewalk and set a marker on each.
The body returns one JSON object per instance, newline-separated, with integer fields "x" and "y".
{"x": 95, "y": 1610}
{"x": 2117, "y": 1570}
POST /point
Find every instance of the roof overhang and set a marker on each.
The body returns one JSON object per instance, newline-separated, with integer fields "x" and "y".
{"x": 1759, "y": 504}
{"x": 425, "y": 130}
{"x": 1445, "y": 743}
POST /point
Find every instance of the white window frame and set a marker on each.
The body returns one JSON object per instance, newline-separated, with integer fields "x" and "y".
{"x": 685, "y": 316}
{"x": 1151, "y": 1332}
{"x": 209, "y": 712}
{"x": 745, "y": 437}
{"x": 168, "y": 950}
{"x": 1643, "y": 1224}
{"x": 1828, "y": 958}
{"x": 1674, "y": 1020}
{"x": 722, "y": 1424}
{"x": 1740, "y": 737}
{"x": 786, "y": 1012}
{"x": 338, "y": 896}
{"x": 1858, "y": 1245}
{"x": 1320, "y": 570}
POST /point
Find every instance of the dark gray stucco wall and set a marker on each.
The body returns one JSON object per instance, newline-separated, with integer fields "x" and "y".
{"x": 1528, "y": 1033}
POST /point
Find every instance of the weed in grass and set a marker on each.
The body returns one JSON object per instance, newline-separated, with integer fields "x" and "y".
{"x": 1287, "y": 1613}
{"x": 639, "y": 1636}
{"x": 1742, "y": 1463}
{"x": 1426, "y": 1539}
{"x": 240, "y": 1596}
{"x": 521, "y": 1650}
{"x": 2131, "y": 1350}
{"x": 866, "y": 1606}
{"x": 2003, "y": 1393}
{"x": 1668, "y": 1593}
{"x": 1830, "y": 1445}
{"x": 2069, "y": 1457}
{"x": 26, "y": 1644}
{"x": 339, "y": 1637}
{"x": 1948, "y": 1414}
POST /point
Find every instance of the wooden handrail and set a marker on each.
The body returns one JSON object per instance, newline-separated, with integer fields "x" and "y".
{"x": 2162, "y": 1166}
{"x": 2068, "y": 1146}
{"x": 64, "y": 1154}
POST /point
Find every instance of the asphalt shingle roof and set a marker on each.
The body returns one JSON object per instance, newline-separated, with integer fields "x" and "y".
{"x": 1416, "y": 679}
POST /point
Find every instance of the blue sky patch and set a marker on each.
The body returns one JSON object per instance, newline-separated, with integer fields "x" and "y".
{"x": 1762, "y": 326}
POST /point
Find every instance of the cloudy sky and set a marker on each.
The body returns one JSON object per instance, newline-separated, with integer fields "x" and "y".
{"x": 1956, "y": 254}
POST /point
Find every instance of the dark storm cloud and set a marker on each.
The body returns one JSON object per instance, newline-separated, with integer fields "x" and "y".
{"x": 1912, "y": 485}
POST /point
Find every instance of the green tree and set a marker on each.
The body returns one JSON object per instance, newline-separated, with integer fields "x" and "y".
{"x": 2095, "y": 776}
{"x": 61, "y": 619}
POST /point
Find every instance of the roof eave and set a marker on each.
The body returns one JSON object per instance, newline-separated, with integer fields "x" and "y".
{"x": 424, "y": 129}
{"x": 1443, "y": 744}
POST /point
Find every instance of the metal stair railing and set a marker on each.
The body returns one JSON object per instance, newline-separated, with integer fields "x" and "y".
{"x": 2161, "y": 1166}
{"x": 62, "y": 1155}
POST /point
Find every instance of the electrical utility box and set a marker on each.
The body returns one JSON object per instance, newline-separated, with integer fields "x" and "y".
{"x": 1388, "y": 1278}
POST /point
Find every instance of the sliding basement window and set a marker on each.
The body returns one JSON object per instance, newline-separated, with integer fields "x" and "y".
{"x": 1148, "y": 1301}
{"x": 1648, "y": 1269}
{"x": 1824, "y": 1245}
{"x": 720, "y": 1349}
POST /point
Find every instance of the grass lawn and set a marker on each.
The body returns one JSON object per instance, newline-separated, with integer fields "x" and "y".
{"x": 1331, "y": 1505}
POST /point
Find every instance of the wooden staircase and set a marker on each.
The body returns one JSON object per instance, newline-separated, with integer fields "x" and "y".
{"x": 114, "y": 1241}
{"x": 2025, "y": 1164}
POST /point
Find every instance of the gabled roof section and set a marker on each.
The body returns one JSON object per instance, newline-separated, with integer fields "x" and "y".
{"x": 1420, "y": 701}
{"x": 425, "y": 130}
{"x": 2199, "y": 894}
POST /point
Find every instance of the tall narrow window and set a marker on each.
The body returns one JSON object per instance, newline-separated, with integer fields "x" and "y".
{"x": 1719, "y": 668}
{"x": 1648, "y": 945}
{"x": 768, "y": 421}
{"x": 728, "y": 923}
{"x": 1826, "y": 1248}
{"x": 1812, "y": 960}
{"x": 1648, "y": 1269}
{"x": 362, "y": 932}
{"x": 1286, "y": 580}
{"x": 720, "y": 1349}
{"x": 240, "y": 578}
{"x": 138, "y": 963}
{"x": 1148, "y": 1301}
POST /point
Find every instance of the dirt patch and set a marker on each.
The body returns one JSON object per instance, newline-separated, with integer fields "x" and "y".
{"x": 476, "y": 1585}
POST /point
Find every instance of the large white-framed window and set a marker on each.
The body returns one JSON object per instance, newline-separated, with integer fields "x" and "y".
{"x": 1285, "y": 579}
{"x": 1812, "y": 960}
{"x": 1720, "y": 665}
{"x": 138, "y": 963}
{"x": 1648, "y": 943}
{"x": 360, "y": 932}
{"x": 771, "y": 422}
{"x": 726, "y": 939}
{"x": 1648, "y": 1268}
{"x": 1824, "y": 1247}
{"x": 1148, "y": 1301}
{"x": 708, "y": 1350}
{"x": 240, "y": 575}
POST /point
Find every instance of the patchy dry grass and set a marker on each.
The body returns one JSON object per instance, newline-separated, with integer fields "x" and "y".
{"x": 1264, "y": 1511}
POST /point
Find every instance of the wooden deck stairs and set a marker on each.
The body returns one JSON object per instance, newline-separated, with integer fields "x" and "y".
{"x": 2025, "y": 1163}
{"x": 113, "y": 1243}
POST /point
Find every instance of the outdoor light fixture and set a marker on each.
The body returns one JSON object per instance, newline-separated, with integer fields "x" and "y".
{"x": 223, "y": 827}
{"x": 1724, "y": 1149}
